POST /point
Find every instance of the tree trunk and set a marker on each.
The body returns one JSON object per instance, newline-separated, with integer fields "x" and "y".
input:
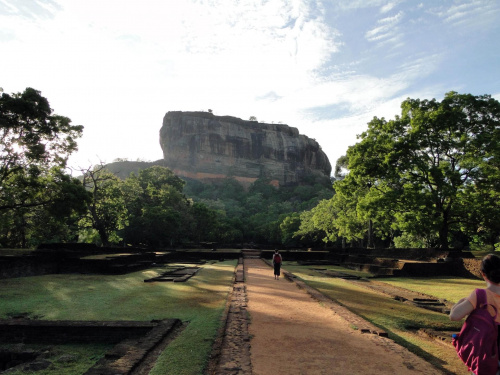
{"x": 96, "y": 223}
{"x": 443, "y": 237}
{"x": 370, "y": 244}
{"x": 23, "y": 231}
{"x": 443, "y": 232}
{"x": 103, "y": 235}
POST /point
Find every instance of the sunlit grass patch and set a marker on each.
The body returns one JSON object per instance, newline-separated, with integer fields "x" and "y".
{"x": 199, "y": 302}
{"x": 449, "y": 288}
{"x": 290, "y": 265}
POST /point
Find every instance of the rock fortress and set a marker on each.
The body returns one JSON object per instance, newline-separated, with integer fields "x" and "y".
{"x": 205, "y": 147}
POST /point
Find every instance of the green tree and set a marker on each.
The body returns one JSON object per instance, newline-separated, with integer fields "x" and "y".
{"x": 159, "y": 211}
{"x": 425, "y": 164}
{"x": 42, "y": 209}
{"x": 107, "y": 212}
{"x": 308, "y": 233}
{"x": 35, "y": 145}
{"x": 356, "y": 217}
{"x": 288, "y": 227}
{"x": 230, "y": 230}
{"x": 33, "y": 141}
{"x": 341, "y": 167}
{"x": 205, "y": 223}
{"x": 257, "y": 213}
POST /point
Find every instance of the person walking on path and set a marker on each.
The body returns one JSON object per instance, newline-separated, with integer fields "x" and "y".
{"x": 277, "y": 260}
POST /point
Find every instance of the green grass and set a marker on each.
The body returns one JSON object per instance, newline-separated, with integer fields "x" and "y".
{"x": 198, "y": 302}
{"x": 329, "y": 267}
{"x": 449, "y": 288}
{"x": 400, "y": 320}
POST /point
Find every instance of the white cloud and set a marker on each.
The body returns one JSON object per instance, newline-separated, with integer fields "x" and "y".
{"x": 387, "y": 29}
{"x": 474, "y": 14}
{"x": 349, "y": 5}
{"x": 389, "y": 6}
{"x": 324, "y": 67}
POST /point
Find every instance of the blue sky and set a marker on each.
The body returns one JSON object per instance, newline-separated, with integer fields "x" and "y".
{"x": 324, "y": 67}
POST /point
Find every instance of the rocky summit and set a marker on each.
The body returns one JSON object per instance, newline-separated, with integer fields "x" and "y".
{"x": 202, "y": 146}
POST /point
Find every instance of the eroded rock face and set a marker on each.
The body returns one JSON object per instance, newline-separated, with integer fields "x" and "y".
{"x": 202, "y": 146}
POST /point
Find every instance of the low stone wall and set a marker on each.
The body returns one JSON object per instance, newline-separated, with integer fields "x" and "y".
{"x": 403, "y": 254}
{"x": 26, "y": 265}
{"x": 200, "y": 255}
{"x": 429, "y": 269}
{"x": 395, "y": 262}
{"x": 62, "y": 332}
{"x": 52, "y": 263}
{"x": 73, "y": 258}
{"x": 297, "y": 255}
{"x": 115, "y": 261}
{"x": 137, "y": 343}
{"x": 472, "y": 268}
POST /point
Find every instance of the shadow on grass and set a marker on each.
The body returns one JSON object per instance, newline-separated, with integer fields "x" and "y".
{"x": 435, "y": 361}
{"x": 199, "y": 301}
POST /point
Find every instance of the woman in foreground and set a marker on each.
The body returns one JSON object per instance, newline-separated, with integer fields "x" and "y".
{"x": 490, "y": 270}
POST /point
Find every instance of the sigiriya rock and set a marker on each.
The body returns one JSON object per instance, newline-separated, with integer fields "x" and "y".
{"x": 202, "y": 146}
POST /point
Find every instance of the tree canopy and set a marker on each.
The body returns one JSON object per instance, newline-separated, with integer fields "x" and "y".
{"x": 106, "y": 211}
{"x": 33, "y": 141}
{"x": 38, "y": 200}
{"x": 431, "y": 172}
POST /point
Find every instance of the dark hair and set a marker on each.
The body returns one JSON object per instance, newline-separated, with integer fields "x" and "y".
{"x": 490, "y": 266}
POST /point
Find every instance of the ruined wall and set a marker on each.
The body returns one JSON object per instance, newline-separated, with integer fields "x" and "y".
{"x": 472, "y": 267}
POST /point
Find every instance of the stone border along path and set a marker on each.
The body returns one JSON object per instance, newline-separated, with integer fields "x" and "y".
{"x": 231, "y": 351}
{"x": 269, "y": 329}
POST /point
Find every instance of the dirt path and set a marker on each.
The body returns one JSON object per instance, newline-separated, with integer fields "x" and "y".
{"x": 291, "y": 333}
{"x": 285, "y": 327}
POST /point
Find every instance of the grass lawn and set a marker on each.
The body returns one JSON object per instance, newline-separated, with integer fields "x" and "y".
{"x": 199, "y": 302}
{"x": 449, "y": 288}
{"x": 400, "y": 320}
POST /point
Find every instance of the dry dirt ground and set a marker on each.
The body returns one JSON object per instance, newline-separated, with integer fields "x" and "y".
{"x": 276, "y": 327}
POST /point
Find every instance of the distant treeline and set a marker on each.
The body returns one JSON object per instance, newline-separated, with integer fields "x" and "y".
{"x": 428, "y": 178}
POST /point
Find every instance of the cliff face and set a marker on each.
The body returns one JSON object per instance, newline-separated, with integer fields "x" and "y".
{"x": 202, "y": 146}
